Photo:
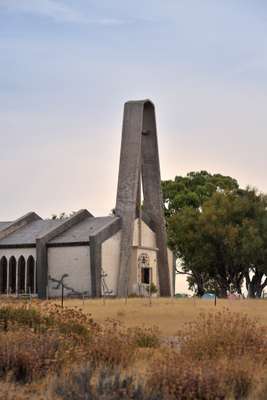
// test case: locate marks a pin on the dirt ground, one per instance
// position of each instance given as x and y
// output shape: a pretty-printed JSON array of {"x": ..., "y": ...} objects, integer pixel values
[{"x": 169, "y": 315}]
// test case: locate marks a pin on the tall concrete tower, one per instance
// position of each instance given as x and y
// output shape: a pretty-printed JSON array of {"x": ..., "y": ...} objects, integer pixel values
[{"x": 139, "y": 162}]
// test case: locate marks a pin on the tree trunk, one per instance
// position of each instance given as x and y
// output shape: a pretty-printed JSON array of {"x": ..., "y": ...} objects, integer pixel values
[
  {"x": 258, "y": 291},
  {"x": 254, "y": 285},
  {"x": 200, "y": 285},
  {"x": 251, "y": 290},
  {"x": 200, "y": 291},
  {"x": 223, "y": 288}
]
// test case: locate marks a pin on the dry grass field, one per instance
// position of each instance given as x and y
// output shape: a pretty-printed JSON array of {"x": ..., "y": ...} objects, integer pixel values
[
  {"x": 171, "y": 349},
  {"x": 168, "y": 315}
]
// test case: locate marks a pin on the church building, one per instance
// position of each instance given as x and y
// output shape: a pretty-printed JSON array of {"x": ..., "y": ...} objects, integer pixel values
[{"x": 117, "y": 255}]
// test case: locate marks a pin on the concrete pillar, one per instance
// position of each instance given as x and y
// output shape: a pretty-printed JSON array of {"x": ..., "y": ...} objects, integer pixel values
[
  {"x": 139, "y": 159},
  {"x": 26, "y": 276},
  {"x": 17, "y": 277},
  {"x": 7, "y": 278},
  {"x": 35, "y": 278}
]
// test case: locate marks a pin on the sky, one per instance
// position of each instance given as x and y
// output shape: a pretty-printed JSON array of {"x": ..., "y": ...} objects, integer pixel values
[{"x": 68, "y": 66}]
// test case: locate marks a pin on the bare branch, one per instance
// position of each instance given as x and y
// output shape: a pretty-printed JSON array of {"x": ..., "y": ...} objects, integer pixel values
[{"x": 182, "y": 272}]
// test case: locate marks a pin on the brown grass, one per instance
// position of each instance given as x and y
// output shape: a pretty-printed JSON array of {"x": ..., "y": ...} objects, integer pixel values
[
  {"x": 173, "y": 349},
  {"x": 169, "y": 315}
]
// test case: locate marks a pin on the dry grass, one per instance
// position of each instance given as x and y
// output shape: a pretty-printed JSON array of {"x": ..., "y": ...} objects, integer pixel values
[
  {"x": 115, "y": 350},
  {"x": 169, "y": 315}
]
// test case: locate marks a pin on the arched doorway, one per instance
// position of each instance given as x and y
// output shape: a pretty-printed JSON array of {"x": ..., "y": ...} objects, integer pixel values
[
  {"x": 3, "y": 275},
  {"x": 12, "y": 274},
  {"x": 30, "y": 275},
  {"x": 21, "y": 274}
]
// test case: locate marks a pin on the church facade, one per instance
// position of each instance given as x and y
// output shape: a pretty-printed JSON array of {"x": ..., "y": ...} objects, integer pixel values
[{"x": 116, "y": 255}]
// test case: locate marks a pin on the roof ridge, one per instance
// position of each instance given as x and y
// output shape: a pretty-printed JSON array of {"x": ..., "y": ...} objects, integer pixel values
[{"x": 18, "y": 224}]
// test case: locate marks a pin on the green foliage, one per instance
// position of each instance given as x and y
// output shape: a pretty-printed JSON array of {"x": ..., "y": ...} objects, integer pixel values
[
  {"x": 152, "y": 288},
  {"x": 193, "y": 189},
  {"x": 218, "y": 231},
  {"x": 63, "y": 215},
  {"x": 20, "y": 316}
]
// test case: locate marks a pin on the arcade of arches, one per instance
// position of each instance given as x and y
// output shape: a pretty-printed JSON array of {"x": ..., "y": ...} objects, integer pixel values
[{"x": 17, "y": 276}]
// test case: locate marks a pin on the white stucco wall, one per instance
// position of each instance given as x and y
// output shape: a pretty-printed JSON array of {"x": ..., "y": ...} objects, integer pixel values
[
  {"x": 111, "y": 260},
  {"x": 111, "y": 255},
  {"x": 148, "y": 237},
  {"x": 74, "y": 261}
]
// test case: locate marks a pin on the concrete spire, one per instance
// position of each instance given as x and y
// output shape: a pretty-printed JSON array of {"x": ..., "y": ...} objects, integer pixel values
[{"x": 140, "y": 158}]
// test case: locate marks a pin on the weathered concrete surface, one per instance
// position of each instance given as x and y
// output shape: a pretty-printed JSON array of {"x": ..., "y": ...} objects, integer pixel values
[
  {"x": 96, "y": 241},
  {"x": 41, "y": 249},
  {"x": 139, "y": 156},
  {"x": 19, "y": 223}
]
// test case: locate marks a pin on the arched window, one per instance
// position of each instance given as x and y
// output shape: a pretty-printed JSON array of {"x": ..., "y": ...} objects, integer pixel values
[
  {"x": 12, "y": 274},
  {"x": 3, "y": 275},
  {"x": 30, "y": 274},
  {"x": 21, "y": 274}
]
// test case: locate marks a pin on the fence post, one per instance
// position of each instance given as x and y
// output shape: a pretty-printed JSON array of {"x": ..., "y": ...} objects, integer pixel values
[{"x": 62, "y": 295}]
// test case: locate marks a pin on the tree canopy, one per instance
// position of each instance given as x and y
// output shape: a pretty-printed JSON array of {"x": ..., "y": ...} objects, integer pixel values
[{"x": 218, "y": 231}]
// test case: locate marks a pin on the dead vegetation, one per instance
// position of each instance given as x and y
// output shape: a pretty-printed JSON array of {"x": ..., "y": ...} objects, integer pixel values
[{"x": 53, "y": 353}]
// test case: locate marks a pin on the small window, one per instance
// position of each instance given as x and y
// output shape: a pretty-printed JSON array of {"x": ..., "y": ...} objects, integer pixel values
[
  {"x": 143, "y": 263},
  {"x": 145, "y": 276}
]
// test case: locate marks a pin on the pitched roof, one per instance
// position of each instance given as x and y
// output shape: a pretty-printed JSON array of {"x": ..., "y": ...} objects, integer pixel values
[
  {"x": 28, "y": 234},
  {"x": 4, "y": 225},
  {"x": 78, "y": 233},
  {"x": 81, "y": 231}
]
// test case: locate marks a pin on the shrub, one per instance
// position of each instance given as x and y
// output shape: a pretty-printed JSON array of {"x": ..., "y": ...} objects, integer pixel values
[
  {"x": 223, "y": 334},
  {"x": 27, "y": 356},
  {"x": 219, "y": 356},
  {"x": 75, "y": 386},
  {"x": 238, "y": 377},
  {"x": 112, "y": 346},
  {"x": 104, "y": 385},
  {"x": 173, "y": 378},
  {"x": 10, "y": 317},
  {"x": 145, "y": 337},
  {"x": 73, "y": 323},
  {"x": 152, "y": 288},
  {"x": 113, "y": 386}
]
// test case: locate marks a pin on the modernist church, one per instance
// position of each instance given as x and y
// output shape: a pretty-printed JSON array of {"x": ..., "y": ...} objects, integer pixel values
[{"x": 117, "y": 255}]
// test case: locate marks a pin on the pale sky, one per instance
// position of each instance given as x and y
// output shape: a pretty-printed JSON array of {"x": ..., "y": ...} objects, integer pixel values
[{"x": 67, "y": 67}]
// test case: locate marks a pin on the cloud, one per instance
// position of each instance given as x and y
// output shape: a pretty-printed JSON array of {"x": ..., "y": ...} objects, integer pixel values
[{"x": 55, "y": 10}]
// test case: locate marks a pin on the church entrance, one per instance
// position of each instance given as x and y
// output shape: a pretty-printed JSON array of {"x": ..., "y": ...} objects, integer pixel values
[{"x": 3, "y": 275}]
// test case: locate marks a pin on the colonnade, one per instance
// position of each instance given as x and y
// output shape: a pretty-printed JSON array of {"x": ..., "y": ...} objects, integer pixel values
[{"x": 17, "y": 276}]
